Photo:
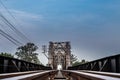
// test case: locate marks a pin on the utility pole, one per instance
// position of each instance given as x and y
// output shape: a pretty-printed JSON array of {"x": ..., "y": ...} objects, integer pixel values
[{"x": 44, "y": 49}]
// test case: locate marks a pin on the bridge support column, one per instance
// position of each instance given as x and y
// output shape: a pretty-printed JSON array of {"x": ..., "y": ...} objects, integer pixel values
[
  {"x": 2, "y": 65},
  {"x": 117, "y": 64}
]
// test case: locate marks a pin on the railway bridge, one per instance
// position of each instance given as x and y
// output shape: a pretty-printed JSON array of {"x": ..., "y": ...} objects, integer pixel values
[{"x": 107, "y": 68}]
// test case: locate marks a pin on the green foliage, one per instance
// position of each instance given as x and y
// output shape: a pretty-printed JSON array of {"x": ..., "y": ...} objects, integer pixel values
[
  {"x": 83, "y": 61},
  {"x": 7, "y": 55},
  {"x": 76, "y": 63},
  {"x": 27, "y": 53},
  {"x": 73, "y": 58}
]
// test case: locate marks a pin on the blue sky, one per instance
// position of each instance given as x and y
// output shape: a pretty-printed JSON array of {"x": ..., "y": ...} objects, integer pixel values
[{"x": 92, "y": 26}]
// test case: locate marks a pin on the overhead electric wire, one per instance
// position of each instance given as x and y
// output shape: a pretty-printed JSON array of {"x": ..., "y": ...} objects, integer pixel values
[
  {"x": 7, "y": 22},
  {"x": 10, "y": 38},
  {"x": 7, "y": 9},
  {"x": 12, "y": 27}
]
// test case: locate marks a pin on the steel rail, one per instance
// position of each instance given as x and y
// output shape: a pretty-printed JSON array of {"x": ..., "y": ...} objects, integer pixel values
[
  {"x": 84, "y": 75},
  {"x": 31, "y": 75},
  {"x": 8, "y": 75},
  {"x": 117, "y": 75},
  {"x": 70, "y": 75}
]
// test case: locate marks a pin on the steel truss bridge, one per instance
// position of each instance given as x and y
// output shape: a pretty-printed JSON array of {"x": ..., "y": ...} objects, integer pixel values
[{"x": 107, "y": 68}]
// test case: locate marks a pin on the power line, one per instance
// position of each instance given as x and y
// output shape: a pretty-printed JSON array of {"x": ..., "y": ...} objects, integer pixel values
[
  {"x": 12, "y": 27},
  {"x": 10, "y": 38},
  {"x": 8, "y": 23},
  {"x": 7, "y": 9}
]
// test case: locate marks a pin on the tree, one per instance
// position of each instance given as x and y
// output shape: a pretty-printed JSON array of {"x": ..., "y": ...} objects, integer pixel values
[
  {"x": 73, "y": 58},
  {"x": 83, "y": 61},
  {"x": 7, "y": 55},
  {"x": 76, "y": 63},
  {"x": 27, "y": 53}
]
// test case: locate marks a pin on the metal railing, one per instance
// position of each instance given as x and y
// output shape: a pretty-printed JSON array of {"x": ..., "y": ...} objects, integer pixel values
[
  {"x": 8, "y": 65},
  {"x": 107, "y": 64}
]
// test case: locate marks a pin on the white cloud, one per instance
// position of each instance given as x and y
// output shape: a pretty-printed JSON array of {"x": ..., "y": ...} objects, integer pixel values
[
  {"x": 21, "y": 14},
  {"x": 77, "y": 28},
  {"x": 24, "y": 18},
  {"x": 26, "y": 15}
]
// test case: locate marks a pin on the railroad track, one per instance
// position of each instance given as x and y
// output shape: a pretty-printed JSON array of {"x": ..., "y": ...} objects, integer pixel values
[
  {"x": 90, "y": 75},
  {"x": 68, "y": 75},
  {"x": 29, "y": 75}
]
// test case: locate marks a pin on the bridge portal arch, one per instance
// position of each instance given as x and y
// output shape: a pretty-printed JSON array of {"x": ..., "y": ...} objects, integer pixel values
[{"x": 59, "y": 54}]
